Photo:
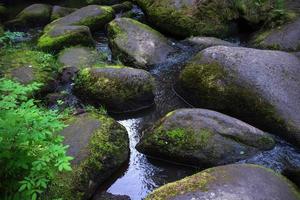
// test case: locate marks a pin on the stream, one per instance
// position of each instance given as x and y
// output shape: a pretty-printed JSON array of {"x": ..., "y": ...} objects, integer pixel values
[{"x": 141, "y": 175}]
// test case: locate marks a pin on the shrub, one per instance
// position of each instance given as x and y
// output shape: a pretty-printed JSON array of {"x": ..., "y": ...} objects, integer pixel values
[{"x": 31, "y": 151}]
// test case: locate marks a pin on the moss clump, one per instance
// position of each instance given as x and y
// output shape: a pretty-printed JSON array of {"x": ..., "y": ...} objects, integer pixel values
[
  {"x": 43, "y": 65},
  {"x": 107, "y": 150},
  {"x": 211, "y": 18},
  {"x": 56, "y": 39},
  {"x": 193, "y": 183}
]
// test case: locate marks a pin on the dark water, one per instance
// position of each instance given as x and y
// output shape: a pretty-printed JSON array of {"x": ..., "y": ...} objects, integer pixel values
[{"x": 142, "y": 174}]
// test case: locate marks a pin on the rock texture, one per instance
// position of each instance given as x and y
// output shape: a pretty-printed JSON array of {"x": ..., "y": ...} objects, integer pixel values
[
  {"x": 32, "y": 16},
  {"x": 285, "y": 37},
  {"x": 59, "y": 11},
  {"x": 260, "y": 87},
  {"x": 206, "y": 18},
  {"x": 203, "y": 138},
  {"x": 119, "y": 88},
  {"x": 137, "y": 44},
  {"x": 234, "y": 182}
]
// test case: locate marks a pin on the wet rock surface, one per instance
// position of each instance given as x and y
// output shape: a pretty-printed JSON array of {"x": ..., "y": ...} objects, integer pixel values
[
  {"x": 237, "y": 182},
  {"x": 119, "y": 88},
  {"x": 137, "y": 44},
  {"x": 203, "y": 138}
]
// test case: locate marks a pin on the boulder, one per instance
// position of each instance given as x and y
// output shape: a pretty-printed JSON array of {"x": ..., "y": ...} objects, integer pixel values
[
  {"x": 75, "y": 58},
  {"x": 205, "y": 42},
  {"x": 59, "y": 11},
  {"x": 78, "y": 57},
  {"x": 3, "y": 13},
  {"x": 93, "y": 16},
  {"x": 203, "y": 138},
  {"x": 137, "y": 44},
  {"x": 104, "y": 2},
  {"x": 234, "y": 182},
  {"x": 32, "y": 16},
  {"x": 60, "y": 37},
  {"x": 27, "y": 66},
  {"x": 260, "y": 87},
  {"x": 99, "y": 146},
  {"x": 122, "y": 7},
  {"x": 209, "y": 18},
  {"x": 285, "y": 37},
  {"x": 108, "y": 196},
  {"x": 118, "y": 88}
]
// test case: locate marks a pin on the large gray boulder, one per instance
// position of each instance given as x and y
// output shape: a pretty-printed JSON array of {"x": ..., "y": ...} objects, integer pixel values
[
  {"x": 137, "y": 44},
  {"x": 99, "y": 146},
  {"x": 203, "y": 138},
  {"x": 232, "y": 182},
  {"x": 285, "y": 37},
  {"x": 118, "y": 88},
  {"x": 260, "y": 87},
  {"x": 32, "y": 16}
]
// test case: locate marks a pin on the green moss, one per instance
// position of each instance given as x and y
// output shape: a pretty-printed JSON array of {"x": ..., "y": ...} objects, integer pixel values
[
  {"x": 109, "y": 90},
  {"x": 66, "y": 39},
  {"x": 211, "y": 18},
  {"x": 97, "y": 22},
  {"x": 105, "y": 152},
  {"x": 44, "y": 65},
  {"x": 193, "y": 183}
]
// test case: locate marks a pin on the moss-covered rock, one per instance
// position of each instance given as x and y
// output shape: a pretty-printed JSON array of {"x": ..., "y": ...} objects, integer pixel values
[
  {"x": 229, "y": 182},
  {"x": 211, "y": 18},
  {"x": 93, "y": 16},
  {"x": 78, "y": 57},
  {"x": 260, "y": 87},
  {"x": 205, "y": 42},
  {"x": 59, "y": 37},
  {"x": 32, "y": 16},
  {"x": 75, "y": 58},
  {"x": 99, "y": 146},
  {"x": 119, "y": 88},
  {"x": 122, "y": 7},
  {"x": 104, "y": 2},
  {"x": 27, "y": 66},
  {"x": 59, "y": 11},
  {"x": 285, "y": 37},
  {"x": 137, "y": 44},
  {"x": 3, "y": 13},
  {"x": 108, "y": 196},
  {"x": 203, "y": 138}
]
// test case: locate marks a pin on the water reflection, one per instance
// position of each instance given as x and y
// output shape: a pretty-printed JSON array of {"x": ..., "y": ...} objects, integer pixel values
[{"x": 142, "y": 175}]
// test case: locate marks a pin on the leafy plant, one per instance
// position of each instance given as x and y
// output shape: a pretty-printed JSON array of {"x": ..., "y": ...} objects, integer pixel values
[
  {"x": 31, "y": 151},
  {"x": 9, "y": 37}
]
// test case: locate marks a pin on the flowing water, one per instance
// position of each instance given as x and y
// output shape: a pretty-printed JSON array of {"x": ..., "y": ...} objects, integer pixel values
[{"x": 142, "y": 174}]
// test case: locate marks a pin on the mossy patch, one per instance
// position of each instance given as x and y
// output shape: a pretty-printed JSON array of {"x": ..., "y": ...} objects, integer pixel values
[
  {"x": 43, "y": 65},
  {"x": 189, "y": 184},
  {"x": 68, "y": 36},
  {"x": 210, "y": 18}
]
